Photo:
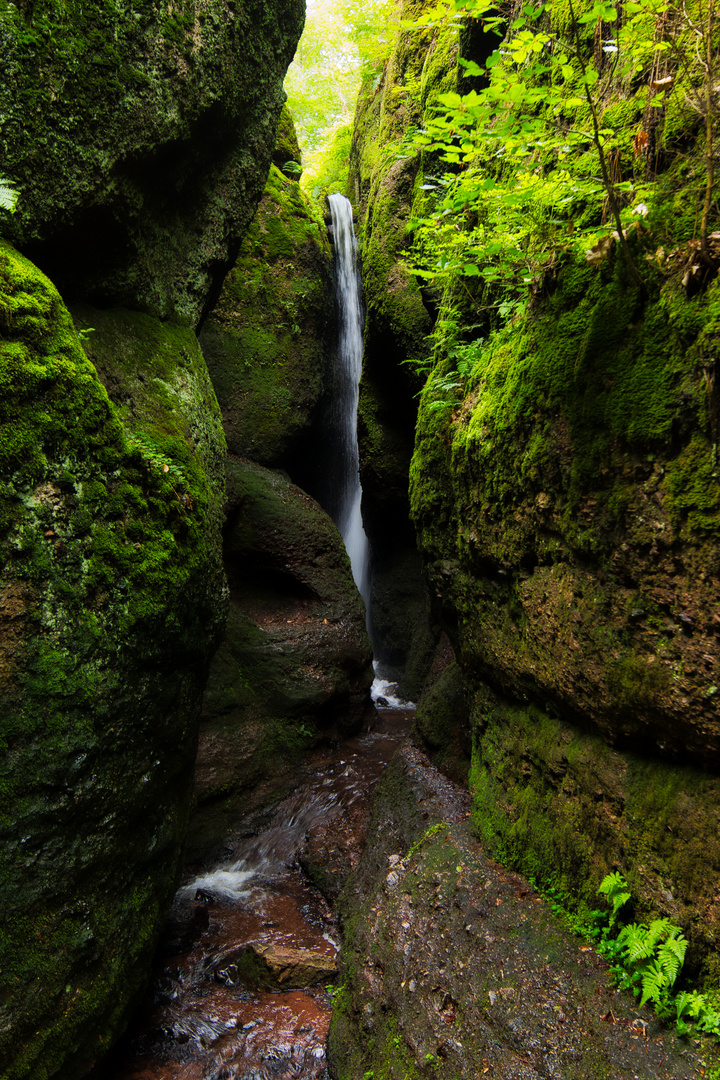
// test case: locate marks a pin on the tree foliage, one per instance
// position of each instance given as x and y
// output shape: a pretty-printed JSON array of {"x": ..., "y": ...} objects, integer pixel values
[
  {"x": 341, "y": 40},
  {"x": 556, "y": 147}
]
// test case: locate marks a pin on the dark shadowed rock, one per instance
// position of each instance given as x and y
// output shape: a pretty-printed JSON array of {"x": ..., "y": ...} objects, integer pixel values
[
  {"x": 140, "y": 139},
  {"x": 295, "y": 663},
  {"x": 112, "y": 597}
]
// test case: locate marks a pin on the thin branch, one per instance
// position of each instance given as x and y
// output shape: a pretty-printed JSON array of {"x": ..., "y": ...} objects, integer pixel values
[{"x": 607, "y": 182}]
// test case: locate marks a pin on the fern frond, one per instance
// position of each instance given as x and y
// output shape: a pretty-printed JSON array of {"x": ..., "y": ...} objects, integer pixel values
[
  {"x": 709, "y": 1019},
  {"x": 615, "y": 887},
  {"x": 637, "y": 942},
  {"x": 671, "y": 956},
  {"x": 654, "y": 983},
  {"x": 659, "y": 930},
  {"x": 689, "y": 1003},
  {"x": 8, "y": 195}
]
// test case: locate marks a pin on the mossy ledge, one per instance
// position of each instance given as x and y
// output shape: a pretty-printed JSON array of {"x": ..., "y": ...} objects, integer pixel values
[{"x": 112, "y": 598}]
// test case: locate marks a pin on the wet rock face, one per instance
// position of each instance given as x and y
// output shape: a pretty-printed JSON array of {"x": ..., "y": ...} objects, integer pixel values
[
  {"x": 452, "y": 966},
  {"x": 568, "y": 512},
  {"x": 112, "y": 598},
  {"x": 160, "y": 122},
  {"x": 295, "y": 662},
  {"x": 269, "y": 339}
]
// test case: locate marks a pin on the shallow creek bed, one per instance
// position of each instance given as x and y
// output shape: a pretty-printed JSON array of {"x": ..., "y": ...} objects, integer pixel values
[{"x": 451, "y": 966}]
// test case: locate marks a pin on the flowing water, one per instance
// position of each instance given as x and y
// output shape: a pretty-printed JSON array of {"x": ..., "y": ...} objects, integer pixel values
[
  {"x": 346, "y": 493},
  {"x": 240, "y": 987},
  {"x": 207, "y": 1016}
]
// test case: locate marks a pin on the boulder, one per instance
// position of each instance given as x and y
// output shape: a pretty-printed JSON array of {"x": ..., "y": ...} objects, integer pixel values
[
  {"x": 113, "y": 598},
  {"x": 272, "y": 967},
  {"x": 295, "y": 662},
  {"x": 140, "y": 139}
]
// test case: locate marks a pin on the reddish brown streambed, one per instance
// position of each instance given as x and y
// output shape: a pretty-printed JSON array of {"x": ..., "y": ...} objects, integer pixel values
[{"x": 239, "y": 990}]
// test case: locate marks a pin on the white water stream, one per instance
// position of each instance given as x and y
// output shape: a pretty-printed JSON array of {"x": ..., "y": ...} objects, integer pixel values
[{"x": 347, "y": 492}]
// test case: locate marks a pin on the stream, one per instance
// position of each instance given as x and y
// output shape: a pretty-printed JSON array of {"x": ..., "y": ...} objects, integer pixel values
[{"x": 239, "y": 987}]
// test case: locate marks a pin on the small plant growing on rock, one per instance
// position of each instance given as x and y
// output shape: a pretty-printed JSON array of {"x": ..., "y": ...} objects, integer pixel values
[
  {"x": 648, "y": 961},
  {"x": 8, "y": 195}
]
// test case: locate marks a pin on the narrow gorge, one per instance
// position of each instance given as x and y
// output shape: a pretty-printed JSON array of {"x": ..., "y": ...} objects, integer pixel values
[{"x": 292, "y": 439}]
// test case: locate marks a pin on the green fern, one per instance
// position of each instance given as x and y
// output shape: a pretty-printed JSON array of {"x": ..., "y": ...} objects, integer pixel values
[
  {"x": 671, "y": 954},
  {"x": 615, "y": 888},
  {"x": 698, "y": 1008},
  {"x": 8, "y": 195},
  {"x": 648, "y": 961},
  {"x": 637, "y": 942},
  {"x": 655, "y": 984}
]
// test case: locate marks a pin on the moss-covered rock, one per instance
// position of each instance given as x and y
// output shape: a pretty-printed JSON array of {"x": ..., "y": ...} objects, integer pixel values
[
  {"x": 561, "y": 805},
  {"x": 442, "y": 723},
  {"x": 268, "y": 341},
  {"x": 295, "y": 663},
  {"x": 140, "y": 139},
  {"x": 112, "y": 599},
  {"x": 287, "y": 155},
  {"x": 451, "y": 965},
  {"x": 568, "y": 509}
]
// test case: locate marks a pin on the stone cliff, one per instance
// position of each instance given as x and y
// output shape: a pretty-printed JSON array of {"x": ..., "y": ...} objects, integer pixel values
[
  {"x": 140, "y": 140},
  {"x": 566, "y": 502}
]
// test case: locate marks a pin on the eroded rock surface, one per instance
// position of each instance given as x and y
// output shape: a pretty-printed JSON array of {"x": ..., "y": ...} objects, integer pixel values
[
  {"x": 160, "y": 124},
  {"x": 453, "y": 966}
]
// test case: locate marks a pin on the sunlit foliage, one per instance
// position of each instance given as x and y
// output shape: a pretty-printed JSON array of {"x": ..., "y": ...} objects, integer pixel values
[{"x": 341, "y": 40}]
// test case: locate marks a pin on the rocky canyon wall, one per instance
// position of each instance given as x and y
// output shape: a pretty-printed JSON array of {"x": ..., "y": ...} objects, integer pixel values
[
  {"x": 566, "y": 502},
  {"x": 140, "y": 140}
]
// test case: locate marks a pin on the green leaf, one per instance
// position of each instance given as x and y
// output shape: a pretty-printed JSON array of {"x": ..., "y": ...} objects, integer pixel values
[{"x": 9, "y": 195}]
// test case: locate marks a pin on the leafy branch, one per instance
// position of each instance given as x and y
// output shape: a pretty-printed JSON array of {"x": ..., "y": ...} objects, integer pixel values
[{"x": 517, "y": 178}]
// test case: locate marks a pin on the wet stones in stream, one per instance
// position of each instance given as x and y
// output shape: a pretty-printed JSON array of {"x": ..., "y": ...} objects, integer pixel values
[{"x": 251, "y": 944}]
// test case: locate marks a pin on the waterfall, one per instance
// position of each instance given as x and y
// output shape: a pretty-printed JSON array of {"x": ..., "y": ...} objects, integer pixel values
[{"x": 346, "y": 492}]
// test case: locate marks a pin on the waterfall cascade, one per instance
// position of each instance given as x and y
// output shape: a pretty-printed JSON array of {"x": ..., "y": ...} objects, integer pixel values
[{"x": 346, "y": 492}]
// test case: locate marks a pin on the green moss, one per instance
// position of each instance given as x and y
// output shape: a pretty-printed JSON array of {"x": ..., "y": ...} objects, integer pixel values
[
  {"x": 112, "y": 600},
  {"x": 267, "y": 342},
  {"x": 287, "y": 147},
  {"x": 162, "y": 124},
  {"x": 559, "y": 805}
]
